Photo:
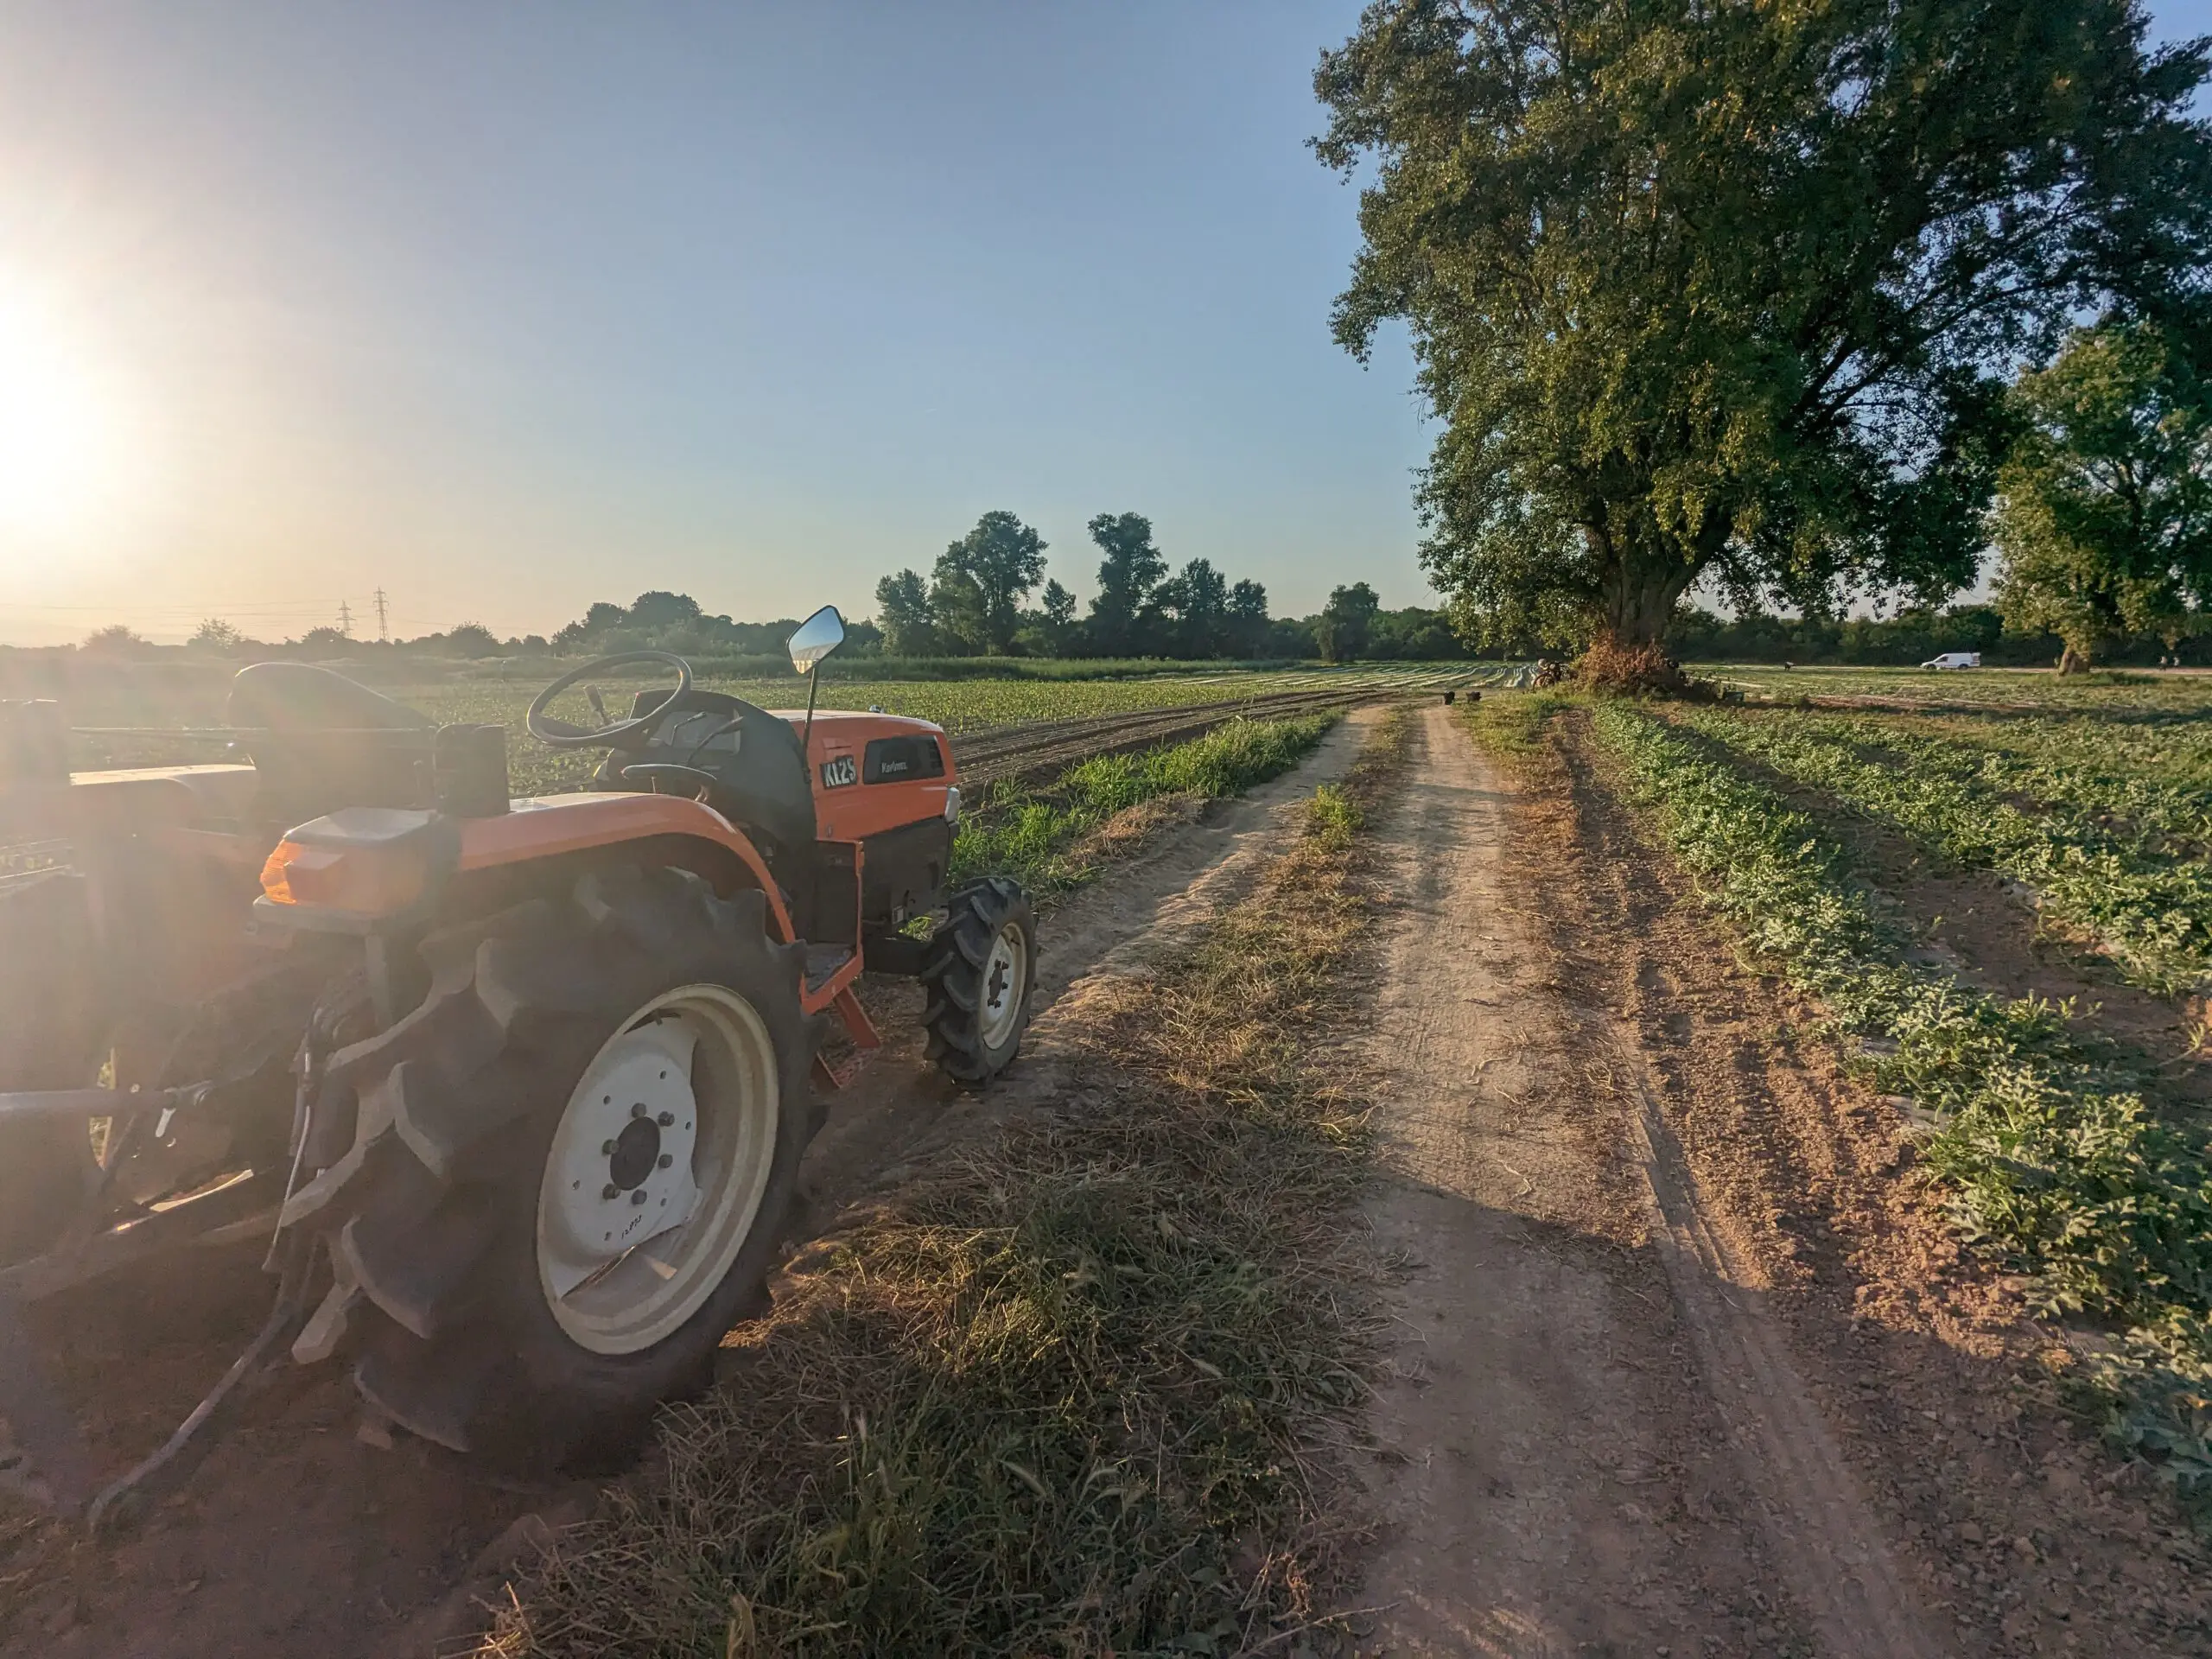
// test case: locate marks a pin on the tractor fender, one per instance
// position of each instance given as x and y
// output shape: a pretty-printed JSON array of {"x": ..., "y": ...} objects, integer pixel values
[{"x": 564, "y": 826}]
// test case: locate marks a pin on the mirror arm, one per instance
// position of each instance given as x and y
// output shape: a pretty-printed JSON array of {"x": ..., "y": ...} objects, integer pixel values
[{"x": 806, "y": 737}]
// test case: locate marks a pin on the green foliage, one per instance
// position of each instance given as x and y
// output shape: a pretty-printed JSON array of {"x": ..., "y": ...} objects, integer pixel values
[
  {"x": 2152, "y": 909},
  {"x": 1129, "y": 569},
  {"x": 981, "y": 580},
  {"x": 664, "y": 622},
  {"x": 1027, "y": 833},
  {"x": 214, "y": 633},
  {"x": 2054, "y": 1161},
  {"x": 1346, "y": 621},
  {"x": 2104, "y": 513},
  {"x": 1194, "y": 608},
  {"x": 116, "y": 640},
  {"x": 902, "y": 610},
  {"x": 1697, "y": 287},
  {"x": 1332, "y": 817}
]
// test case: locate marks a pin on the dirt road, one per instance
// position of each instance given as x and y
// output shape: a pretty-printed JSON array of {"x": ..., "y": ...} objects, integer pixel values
[
  {"x": 294, "y": 1536},
  {"x": 1686, "y": 1364}
]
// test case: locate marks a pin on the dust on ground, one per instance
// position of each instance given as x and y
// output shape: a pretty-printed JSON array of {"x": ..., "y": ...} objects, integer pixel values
[
  {"x": 295, "y": 1535},
  {"x": 1690, "y": 1362}
]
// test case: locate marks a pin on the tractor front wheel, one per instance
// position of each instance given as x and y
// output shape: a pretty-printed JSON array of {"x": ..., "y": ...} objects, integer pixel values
[
  {"x": 571, "y": 1166},
  {"x": 979, "y": 973}
]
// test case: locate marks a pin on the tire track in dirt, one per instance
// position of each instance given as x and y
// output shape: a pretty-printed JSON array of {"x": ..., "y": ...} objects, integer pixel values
[{"x": 1594, "y": 1439}]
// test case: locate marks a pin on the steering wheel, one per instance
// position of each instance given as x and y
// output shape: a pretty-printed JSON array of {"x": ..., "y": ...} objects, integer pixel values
[{"x": 560, "y": 735}]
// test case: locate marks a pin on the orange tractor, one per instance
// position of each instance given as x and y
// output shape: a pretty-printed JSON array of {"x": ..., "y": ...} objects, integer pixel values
[{"x": 517, "y": 1089}]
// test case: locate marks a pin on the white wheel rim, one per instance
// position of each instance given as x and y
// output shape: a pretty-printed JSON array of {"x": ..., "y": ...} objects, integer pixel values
[
  {"x": 1006, "y": 978},
  {"x": 657, "y": 1170}
]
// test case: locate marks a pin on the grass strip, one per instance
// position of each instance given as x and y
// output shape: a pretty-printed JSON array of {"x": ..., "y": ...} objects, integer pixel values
[
  {"x": 1509, "y": 726},
  {"x": 1063, "y": 1394},
  {"x": 2052, "y": 1160},
  {"x": 1032, "y": 834},
  {"x": 2152, "y": 914}
]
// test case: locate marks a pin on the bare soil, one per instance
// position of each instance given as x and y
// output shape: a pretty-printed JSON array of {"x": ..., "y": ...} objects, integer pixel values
[
  {"x": 1690, "y": 1362},
  {"x": 295, "y": 1535}
]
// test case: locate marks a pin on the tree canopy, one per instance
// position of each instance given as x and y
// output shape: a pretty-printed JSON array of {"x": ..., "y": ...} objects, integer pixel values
[
  {"x": 2104, "y": 510},
  {"x": 1728, "y": 287},
  {"x": 981, "y": 580},
  {"x": 1130, "y": 570}
]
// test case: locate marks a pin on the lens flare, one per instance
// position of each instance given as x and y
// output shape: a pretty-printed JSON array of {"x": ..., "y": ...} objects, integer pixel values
[{"x": 59, "y": 444}]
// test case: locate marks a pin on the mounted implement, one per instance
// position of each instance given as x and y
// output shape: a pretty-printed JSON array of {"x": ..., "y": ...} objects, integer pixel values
[{"x": 517, "y": 1089}]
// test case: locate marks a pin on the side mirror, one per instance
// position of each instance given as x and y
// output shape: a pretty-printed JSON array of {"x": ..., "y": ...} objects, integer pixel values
[{"x": 817, "y": 635}]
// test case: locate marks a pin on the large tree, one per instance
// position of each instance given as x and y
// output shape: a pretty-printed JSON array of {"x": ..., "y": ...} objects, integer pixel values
[
  {"x": 979, "y": 584},
  {"x": 1341, "y": 633},
  {"x": 1195, "y": 604},
  {"x": 1699, "y": 286},
  {"x": 2104, "y": 510},
  {"x": 1128, "y": 574},
  {"x": 902, "y": 610},
  {"x": 1248, "y": 617}
]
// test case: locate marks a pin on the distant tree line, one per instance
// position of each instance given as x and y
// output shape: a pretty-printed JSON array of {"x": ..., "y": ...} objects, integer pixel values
[{"x": 977, "y": 601}]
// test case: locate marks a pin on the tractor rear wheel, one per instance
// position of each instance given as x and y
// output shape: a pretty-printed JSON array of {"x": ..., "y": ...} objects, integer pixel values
[
  {"x": 571, "y": 1166},
  {"x": 978, "y": 973}
]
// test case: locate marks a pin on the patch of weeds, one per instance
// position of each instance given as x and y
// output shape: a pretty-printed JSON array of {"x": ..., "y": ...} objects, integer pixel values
[
  {"x": 1069, "y": 1393},
  {"x": 2054, "y": 1164},
  {"x": 1030, "y": 833},
  {"x": 1510, "y": 727}
]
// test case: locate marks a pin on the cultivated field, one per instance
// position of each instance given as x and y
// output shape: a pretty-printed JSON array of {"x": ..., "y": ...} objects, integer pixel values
[
  {"x": 1553, "y": 1174},
  {"x": 121, "y": 732},
  {"x": 1998, "y": 888}
]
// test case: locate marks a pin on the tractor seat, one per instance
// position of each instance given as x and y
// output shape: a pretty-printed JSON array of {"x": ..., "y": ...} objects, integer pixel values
[
  {"x": 300, "y": 697},
  {"x": 321, "y": 742}
]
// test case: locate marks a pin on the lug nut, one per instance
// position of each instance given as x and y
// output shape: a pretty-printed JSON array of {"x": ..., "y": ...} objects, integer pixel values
[
  {"x": 637, "y": 1197},
  {"x": 606, "y": 1148},
  {"x": 666, "y": 1158},
  {"x": 637, "y": 1111},
  {"x": 610, "y": 1191},
  {"x": 665, "y": 1119}
]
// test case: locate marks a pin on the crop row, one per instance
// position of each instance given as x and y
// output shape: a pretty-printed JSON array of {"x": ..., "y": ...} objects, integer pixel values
[
  {"x": 2152, "y": 912},
  {"x": 1995, "y": 689},
  {"x": 2156, "y": 777},
  {"x": 1029, "y": 833},
  {"x": 2052, "y": 1159}
]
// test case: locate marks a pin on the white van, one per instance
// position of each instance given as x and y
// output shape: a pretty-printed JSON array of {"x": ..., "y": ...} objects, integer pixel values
[{"x": 1955, "y": 659}]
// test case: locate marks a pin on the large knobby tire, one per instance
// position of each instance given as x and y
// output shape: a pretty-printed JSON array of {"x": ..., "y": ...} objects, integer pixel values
[
  {"x": 462, "y": 1209},
  {"x": 978, "y": 973}
]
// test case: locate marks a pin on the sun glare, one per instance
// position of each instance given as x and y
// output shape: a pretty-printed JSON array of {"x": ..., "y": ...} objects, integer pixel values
[{"x": 58, "y": 442}]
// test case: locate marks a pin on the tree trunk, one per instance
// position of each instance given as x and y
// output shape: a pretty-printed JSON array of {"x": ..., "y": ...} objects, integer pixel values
[
  {"x": 2071, "y": 661},
  {"x": 1629, "y": 653}
]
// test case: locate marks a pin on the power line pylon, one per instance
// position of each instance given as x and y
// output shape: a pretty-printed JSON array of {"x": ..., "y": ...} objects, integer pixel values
[
  {"x": 384, "y": 630},
  {"x": 345, "y": 618}
]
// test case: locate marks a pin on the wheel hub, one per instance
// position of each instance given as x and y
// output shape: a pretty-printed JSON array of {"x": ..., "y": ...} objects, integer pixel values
[
  {"x": 1005, "y": 974},
  {"x": 657, "y": 1169},
  {"x": 620, "y": 1169},
  {"x": 636, "y": 1153}
]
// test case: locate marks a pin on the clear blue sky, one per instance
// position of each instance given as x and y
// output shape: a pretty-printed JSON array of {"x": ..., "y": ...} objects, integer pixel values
[
  {"x": 507, "y": 307},
  {"x": 510, "y": 306}
]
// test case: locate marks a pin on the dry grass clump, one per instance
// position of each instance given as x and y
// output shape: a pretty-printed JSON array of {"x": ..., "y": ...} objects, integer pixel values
[
  {"x": 1609, "y": 665},
  {"x": 1069, "y": 1394}
]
